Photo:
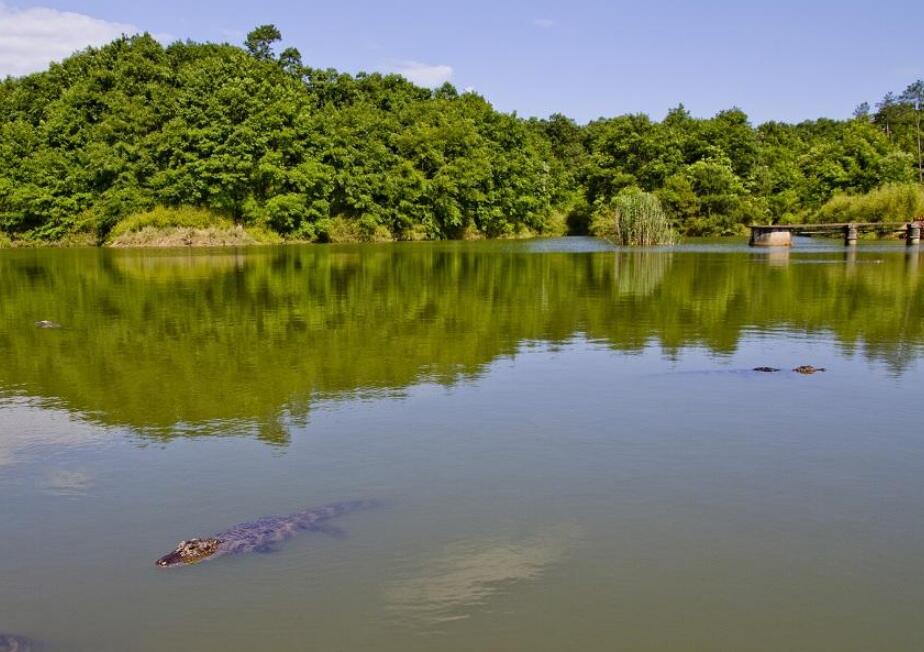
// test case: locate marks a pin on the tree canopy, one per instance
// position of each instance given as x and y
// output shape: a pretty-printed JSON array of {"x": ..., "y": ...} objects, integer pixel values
[{"x": 314, "y": 154}]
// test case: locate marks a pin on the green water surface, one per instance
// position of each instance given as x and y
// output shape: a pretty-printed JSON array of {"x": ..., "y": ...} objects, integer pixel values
[{"x": 568, "y": 444}]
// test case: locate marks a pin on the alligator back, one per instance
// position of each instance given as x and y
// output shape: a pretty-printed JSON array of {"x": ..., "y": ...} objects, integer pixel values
[{"x": 264, "y": 533}]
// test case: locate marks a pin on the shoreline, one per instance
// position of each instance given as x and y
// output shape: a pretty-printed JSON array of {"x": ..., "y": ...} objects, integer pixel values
[
  {"x": 210, "y": 241},
  {"x": 218, "y": 237}
]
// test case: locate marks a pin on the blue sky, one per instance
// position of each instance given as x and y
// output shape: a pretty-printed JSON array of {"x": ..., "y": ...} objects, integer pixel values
[{"x": 780, "y": 60}]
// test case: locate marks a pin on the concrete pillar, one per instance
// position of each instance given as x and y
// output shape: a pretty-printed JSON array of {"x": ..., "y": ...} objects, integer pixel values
[
  {"x": 851, "y": 235},
  {"x": 914, "y": 234},
  {"x": 771, "y": 238}
]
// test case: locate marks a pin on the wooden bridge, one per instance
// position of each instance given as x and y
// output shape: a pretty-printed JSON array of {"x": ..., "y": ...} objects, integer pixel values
[{"x": 780, "y": 235}]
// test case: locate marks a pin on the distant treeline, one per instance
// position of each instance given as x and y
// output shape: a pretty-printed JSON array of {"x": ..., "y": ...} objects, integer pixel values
[{"x": 309, "y": 154}]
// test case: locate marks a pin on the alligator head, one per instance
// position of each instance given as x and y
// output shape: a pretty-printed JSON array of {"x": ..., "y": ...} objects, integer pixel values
[
  {"x": 808, "y": 370},
  {"x": 190, "y": 552}
]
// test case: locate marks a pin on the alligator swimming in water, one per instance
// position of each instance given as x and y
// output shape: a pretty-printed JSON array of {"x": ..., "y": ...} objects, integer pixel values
[
  {"x": 805, "y": 370},
  {"x": 261, "y": 535},
  {"x": 11, "y": 643}
]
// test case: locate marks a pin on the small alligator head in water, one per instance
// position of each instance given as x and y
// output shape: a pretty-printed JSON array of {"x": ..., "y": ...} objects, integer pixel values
[
  {"x": 191, "y": 551},
  {"x": 808, "y": 370}
]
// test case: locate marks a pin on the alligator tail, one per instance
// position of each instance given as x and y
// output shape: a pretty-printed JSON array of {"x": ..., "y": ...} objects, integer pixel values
[{"x": 335, "y": 510}]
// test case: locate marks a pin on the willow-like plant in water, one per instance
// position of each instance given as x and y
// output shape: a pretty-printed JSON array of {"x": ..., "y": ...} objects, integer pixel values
[{"x": 633, "y": 218}]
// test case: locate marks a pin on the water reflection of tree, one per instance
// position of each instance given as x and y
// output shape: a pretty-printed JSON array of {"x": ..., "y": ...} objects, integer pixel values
[
  {"x": 640, "y": 272},
  {"x": 255, "y": 338}
]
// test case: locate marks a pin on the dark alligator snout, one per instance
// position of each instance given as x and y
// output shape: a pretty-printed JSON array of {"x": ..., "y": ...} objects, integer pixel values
[{"x": 173, "y": 559}]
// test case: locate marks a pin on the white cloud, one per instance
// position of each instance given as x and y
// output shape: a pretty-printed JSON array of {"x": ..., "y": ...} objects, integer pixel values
[
  {"x": 544, "y": 23},
  {"x": 32, "y": 38},
  {"x": 423, "y": 74}
]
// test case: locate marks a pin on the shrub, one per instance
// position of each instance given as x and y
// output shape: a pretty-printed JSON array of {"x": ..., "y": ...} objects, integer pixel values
[
  {"x": 286, "y": 213},
  {"x": 342, "y": 229},
  {"x": 892, "y": 202},
  {"x": 632, "y": 217},
  {"x": 164, "y": 226},
  {"x": 164, "y": 218}
]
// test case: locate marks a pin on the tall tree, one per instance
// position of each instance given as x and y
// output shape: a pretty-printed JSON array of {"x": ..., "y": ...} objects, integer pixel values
[
  {"x": 914, "y": 95},
  {"x": 260, "y": 41}
]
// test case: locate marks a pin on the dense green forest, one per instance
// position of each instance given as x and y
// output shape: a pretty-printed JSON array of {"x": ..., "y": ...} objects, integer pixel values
[{"x": 256, "y": 139}]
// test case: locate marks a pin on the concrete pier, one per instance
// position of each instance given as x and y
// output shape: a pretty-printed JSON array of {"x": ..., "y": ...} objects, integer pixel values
[
  {"x": 914, "y": 234},
  {"x": 771, "y": 237},
  {"x": 851, "y": 235}
]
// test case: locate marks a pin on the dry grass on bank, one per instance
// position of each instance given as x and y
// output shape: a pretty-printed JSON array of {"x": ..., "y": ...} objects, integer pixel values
[{"x": 184, "y": 227}]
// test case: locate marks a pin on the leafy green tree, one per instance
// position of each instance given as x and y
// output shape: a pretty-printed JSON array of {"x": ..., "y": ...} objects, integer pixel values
[
  {"x": 914, "y": 97},
  {"x": 291, "y": 61},
  {"x": 260, "y": 41}
]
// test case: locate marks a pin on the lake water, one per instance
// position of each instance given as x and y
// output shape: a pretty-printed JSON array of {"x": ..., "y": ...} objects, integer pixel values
[{"x": 570, "y": 453}]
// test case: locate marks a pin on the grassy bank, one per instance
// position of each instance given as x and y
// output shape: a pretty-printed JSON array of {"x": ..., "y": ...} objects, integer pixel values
[
  {"x": 71, "y": 240},
  {"x": 186, "y": 237},
  {"x": 187, "y": 226},
  {"x": 184, "y": 227}
]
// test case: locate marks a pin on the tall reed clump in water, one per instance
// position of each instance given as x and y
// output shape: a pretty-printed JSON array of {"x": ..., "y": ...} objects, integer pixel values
[{"x": 633, "y": 217}]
